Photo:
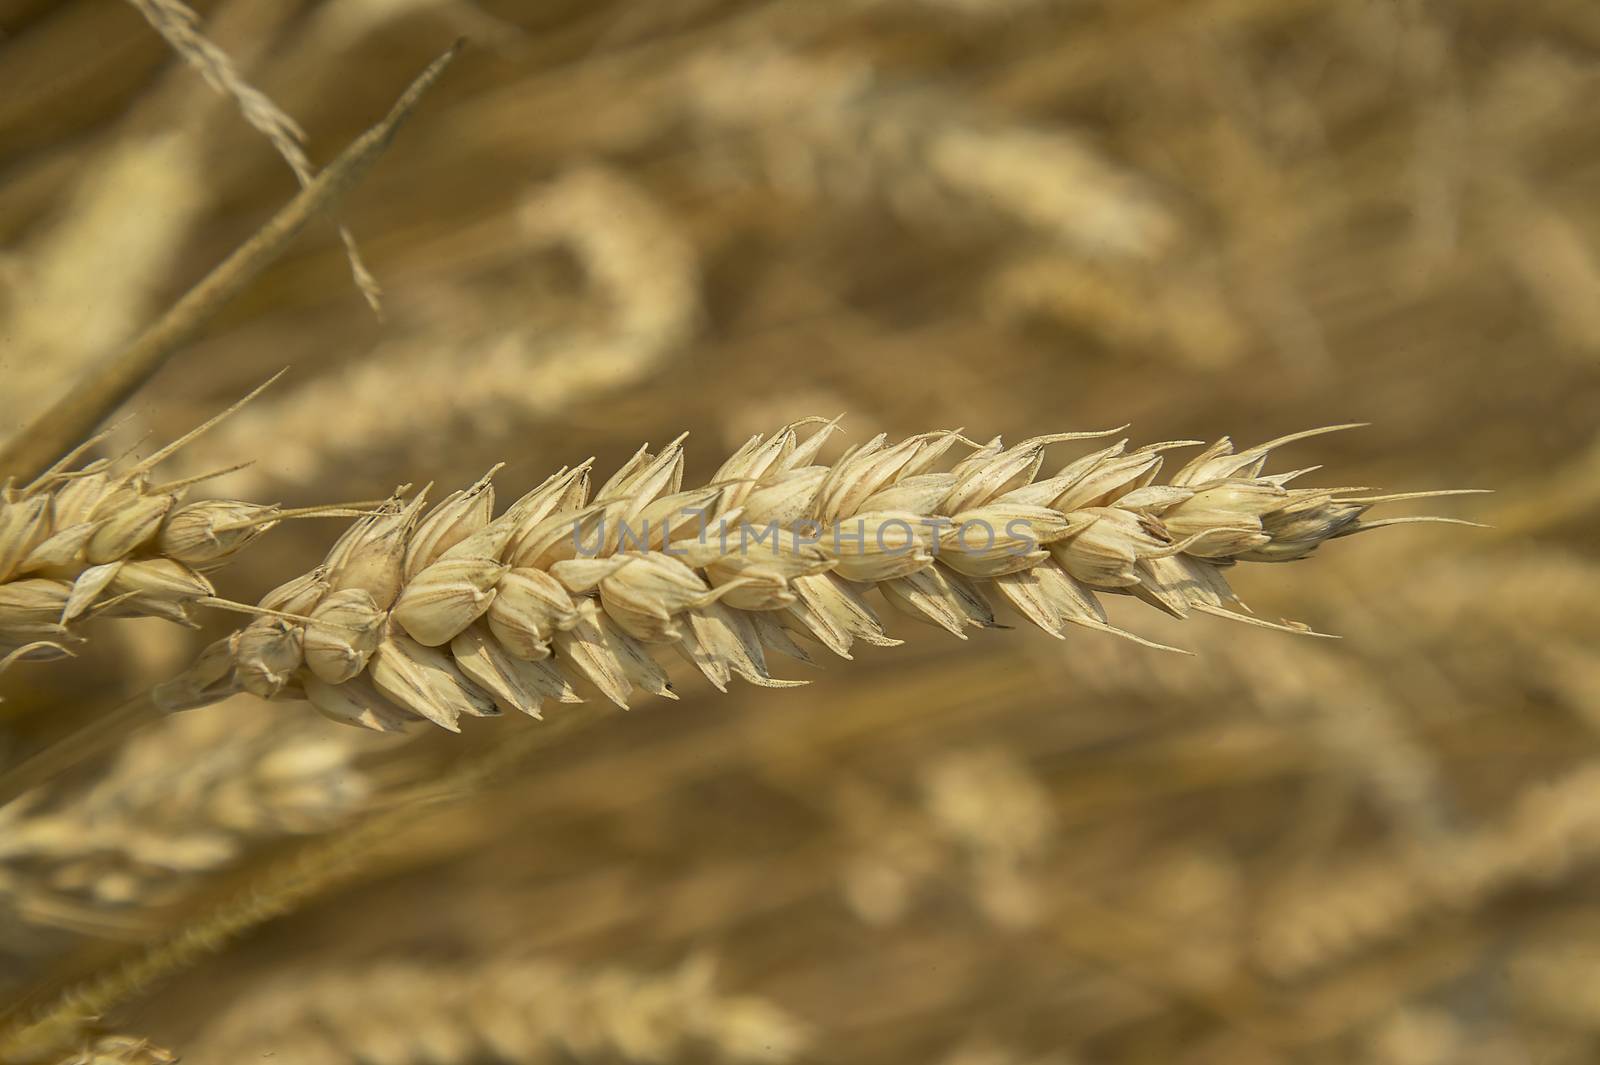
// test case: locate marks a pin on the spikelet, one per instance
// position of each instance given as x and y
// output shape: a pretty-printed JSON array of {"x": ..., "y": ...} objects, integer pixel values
[
  {"x": 461, "y": 613},
  {"x": 106, "y": 539},
  {"x": 343, "y": 633}
]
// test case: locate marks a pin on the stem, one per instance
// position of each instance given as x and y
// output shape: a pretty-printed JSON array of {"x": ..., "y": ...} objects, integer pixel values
[{"x": 75, "y": 415}]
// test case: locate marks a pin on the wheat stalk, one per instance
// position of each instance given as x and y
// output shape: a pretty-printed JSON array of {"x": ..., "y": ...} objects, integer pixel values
[
  {"x": 29, "y": 1034},
  {"x": 33, "y": 450},
  {"x": 179, "y": 26},
  {"x": 458, "y": 613},
  {"x": 66, "y": 317},
  {"x": 636, "y": 257}
]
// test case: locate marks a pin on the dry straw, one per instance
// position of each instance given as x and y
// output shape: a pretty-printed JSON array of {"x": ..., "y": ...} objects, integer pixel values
[
  {"x": 452, "y": 612},
  {"x": 179, "y": 26},
  {"x": 156, "y": 156},
  {"x": 37, "y": 448}
]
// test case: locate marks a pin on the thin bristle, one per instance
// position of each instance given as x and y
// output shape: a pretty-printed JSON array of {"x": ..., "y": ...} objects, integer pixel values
[
  {"x": 201, "y": 478},
  {"x": 60, "y": 465},
  {"x": 193, "y": 434}
]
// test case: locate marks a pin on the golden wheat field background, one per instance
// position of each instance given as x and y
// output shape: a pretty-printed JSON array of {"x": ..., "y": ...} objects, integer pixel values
[{"x": 612, "y": 222}]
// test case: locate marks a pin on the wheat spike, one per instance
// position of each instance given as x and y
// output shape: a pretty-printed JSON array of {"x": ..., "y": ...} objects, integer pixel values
[
  {"x": 837, "y": 128},
  {"x": 1179, "y": 312},
  {"x": 1550, "y": 830},
  {"x": 457, "y": 613},
  {"x": 411, "y": 1013},
  {"x": 106, "y": 538},
  {"x": 182, "y": 799}
]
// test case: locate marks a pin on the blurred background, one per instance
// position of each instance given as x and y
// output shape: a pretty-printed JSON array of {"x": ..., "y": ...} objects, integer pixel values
[{"x": 612, "y": 222}]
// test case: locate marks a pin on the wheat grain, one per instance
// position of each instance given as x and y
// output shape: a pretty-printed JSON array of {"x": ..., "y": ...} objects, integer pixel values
[
  {"x": 413, "y": 1013},
  {"x": 462, "y": 614}
]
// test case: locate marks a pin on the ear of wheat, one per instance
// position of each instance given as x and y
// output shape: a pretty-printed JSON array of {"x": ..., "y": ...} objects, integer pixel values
[
  {"x": 503, "y": 1009},
  {"x": 145, "y": 831},
  {"x": 105, "y": 539},
  {"x": 455, "y": 612}
]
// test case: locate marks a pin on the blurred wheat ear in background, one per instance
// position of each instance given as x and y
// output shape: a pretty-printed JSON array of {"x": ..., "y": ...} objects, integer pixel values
[{"x": 617, "y": 222}]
